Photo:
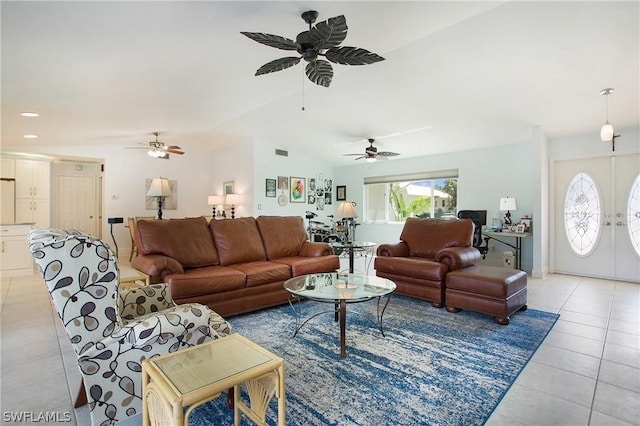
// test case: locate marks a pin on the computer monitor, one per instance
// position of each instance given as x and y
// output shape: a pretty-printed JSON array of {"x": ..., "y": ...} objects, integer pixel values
[{"x": 480, "y": 215}]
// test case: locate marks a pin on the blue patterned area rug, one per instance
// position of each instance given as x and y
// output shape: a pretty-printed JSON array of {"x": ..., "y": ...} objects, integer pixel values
[{"x": 432, "y": 368}]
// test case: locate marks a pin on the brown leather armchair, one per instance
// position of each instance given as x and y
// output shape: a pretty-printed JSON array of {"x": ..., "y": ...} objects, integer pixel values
[{"x": 427, "y": 251}]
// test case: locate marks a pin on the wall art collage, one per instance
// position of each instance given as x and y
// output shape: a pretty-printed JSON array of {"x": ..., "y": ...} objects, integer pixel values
[{"x": 314, "y": 191}]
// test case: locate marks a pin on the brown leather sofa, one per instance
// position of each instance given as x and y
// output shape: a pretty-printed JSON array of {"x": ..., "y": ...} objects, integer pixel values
[
  {"x": 427, "y": 251},
  {"x": 233, "y": 266}
]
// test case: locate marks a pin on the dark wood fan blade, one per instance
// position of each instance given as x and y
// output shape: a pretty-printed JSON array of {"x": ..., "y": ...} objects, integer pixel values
[
  {"x": 329, "y": 33},
  {"x": 172, "y": 147},
  {"x": 278, "y": 65},
  {"x": 175, "y": 151},
  {"x": 387, "y": 154},
  {"x": 272, "y": 40},
  {"x": 320, "y": 72},
  {"x": 352, "y": 56},
  {"x": 362, "y": 156}
]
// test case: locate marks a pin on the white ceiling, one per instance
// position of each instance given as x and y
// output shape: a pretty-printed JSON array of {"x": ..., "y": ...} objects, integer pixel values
[{"x": 467, "y": 74}]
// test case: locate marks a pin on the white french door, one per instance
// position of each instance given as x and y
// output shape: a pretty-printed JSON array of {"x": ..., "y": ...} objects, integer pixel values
[
  {"x": 77, "y": 203},
  {"x": 596, "y": 218}
]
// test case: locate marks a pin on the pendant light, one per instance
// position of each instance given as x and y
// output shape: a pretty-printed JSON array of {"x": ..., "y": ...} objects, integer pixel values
[{"x": 607, "y": 134}]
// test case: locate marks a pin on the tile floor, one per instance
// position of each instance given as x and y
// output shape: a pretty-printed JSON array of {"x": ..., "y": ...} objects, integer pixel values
[{"x": 587, "y": 371}]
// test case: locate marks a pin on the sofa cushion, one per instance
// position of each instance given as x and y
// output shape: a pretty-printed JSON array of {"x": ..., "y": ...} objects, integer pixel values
[
  {"x": 310, "y": 265},
  {"x": 237, "y": 240},
  {"x": 282, "y": 235},
  {"x": 206, "y": 280},
  {"x": 259, "y": 273},
  {"x": 411, "y": 267},
  {"x": 186, "y": 240},
  {"x": 426, "y": 236}
]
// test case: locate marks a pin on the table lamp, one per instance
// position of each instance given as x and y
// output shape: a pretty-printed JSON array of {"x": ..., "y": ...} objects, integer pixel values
[
  {"x": 347, "y": 210},
  {"x": 159, "y": 188},
  {"x": 233, "y": 200},
  {"x": 213, "y": 201},
  {"x": 507, "y": 204}
]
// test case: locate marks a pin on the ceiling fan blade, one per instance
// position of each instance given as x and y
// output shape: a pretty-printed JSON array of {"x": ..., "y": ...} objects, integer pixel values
[
  {"x": 278, "y": 65},
  {"x": 387, "y": 154},
  {"x": 329, "y": 33},
  {"x": 362, "y": 156},
  {"x": 320, "y": 72},
  {"x": 272, "y": 40},
  {"x": 352, "y": 56},
  {"x": 347, "y": 155},
  {"x": 172, "y": 147},
  {"x": 175, "y": 151}
]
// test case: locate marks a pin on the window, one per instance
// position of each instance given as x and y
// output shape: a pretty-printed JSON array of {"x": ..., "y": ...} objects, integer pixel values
[{"x": 395, "y": 198}]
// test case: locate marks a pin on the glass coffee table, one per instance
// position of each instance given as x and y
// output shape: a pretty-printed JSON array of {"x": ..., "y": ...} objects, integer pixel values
[
  {"x": 339, "y": 290},
  {"x": 365, "y": 247}
]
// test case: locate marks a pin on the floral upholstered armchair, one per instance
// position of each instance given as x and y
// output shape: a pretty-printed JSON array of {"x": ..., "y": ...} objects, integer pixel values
[{"x": 112, "y": 329}]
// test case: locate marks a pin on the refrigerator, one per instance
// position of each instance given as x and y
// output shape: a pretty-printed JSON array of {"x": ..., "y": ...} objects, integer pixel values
[{"x": 7, "y": 201}]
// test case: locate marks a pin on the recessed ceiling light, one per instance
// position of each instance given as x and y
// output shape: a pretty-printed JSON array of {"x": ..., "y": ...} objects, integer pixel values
[
  {"x": 30, "y": 136},
  {"x": 29, "y": 114}
]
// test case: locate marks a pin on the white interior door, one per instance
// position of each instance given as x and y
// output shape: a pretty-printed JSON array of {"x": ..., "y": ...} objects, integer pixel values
[
  {"x": 591, "y": 201},
  {"x": 626, "y": 217},
  {"x": 76, "y": 203}
]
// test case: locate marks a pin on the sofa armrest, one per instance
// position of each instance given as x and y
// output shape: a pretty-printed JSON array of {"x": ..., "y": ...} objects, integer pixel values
[
  {"x": 400, "y": 249},
  {"x": 157, "y": 266},
  {"x": 458, "y": 257},
  {"x": 315, "y": 249}
]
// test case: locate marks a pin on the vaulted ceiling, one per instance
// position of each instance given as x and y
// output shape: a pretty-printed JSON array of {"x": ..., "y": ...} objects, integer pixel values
[{"x": 457, "y": 75}]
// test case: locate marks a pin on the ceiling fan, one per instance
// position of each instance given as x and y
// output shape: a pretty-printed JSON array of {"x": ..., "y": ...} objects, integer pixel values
[
  {"x": 159, "y": 149},
  {"x": 321, "y": 40},
  {"x": 371, "y": 153}
]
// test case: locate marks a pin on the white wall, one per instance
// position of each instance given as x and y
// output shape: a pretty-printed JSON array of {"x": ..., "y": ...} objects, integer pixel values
[{"x": 269, "y": 165}]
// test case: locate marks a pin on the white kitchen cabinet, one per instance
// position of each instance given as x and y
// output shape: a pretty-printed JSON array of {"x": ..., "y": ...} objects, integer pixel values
[
  {"x": 15, "y": 259},
  {"x": 35, "y": 211},
  {"x": 33, "y": 189},
  {"x": 33, "y": 179},
  {"x": 7, "y": 168}
]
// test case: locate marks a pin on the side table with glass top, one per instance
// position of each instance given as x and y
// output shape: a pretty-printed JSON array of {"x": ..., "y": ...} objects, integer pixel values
[
  {"x": 339, "y": 290},
  {"x": 196, "y": 375},
  {"x": 355, "y": 246}
]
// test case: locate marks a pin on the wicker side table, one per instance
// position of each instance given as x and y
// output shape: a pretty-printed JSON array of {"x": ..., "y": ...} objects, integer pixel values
[{"x": 194, "y": 376}]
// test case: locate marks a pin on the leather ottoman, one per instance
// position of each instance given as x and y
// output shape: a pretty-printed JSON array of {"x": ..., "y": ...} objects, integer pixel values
[{"x": 487, "y": 289}]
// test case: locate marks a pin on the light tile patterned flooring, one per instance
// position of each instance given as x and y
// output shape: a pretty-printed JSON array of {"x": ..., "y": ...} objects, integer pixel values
[{"x": 587, "y": 371}]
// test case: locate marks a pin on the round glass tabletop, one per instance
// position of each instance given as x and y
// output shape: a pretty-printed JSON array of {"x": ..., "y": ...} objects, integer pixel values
[{"x": 332, "y": 286}]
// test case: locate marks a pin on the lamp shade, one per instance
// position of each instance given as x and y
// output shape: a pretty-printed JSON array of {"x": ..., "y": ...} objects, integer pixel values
[
  {"x": 159, "y": 188},
  {"x": 346, "y": 210},
  {"x": 606, "y": 133},
  {"x": 233, "y": 199},
  {"x": 507, "y": 204},
  {"x": 215, "y": 200}
]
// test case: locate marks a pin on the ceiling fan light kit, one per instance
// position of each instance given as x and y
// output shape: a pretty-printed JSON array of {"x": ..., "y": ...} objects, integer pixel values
[
  {"x": 159, "y": 149},
  {"x": 323, "y": 40}
]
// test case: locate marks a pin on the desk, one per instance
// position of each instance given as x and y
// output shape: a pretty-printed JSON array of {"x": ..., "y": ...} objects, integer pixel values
[{"x": 517, "y": 246}]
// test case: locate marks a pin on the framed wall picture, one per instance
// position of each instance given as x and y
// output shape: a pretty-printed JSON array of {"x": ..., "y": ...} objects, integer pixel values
[
  {"x": 283, "y": 182},
  {"x": 227, "y": 187},
  {"x": 341, "y": 193},
  {"x": 270, "y": 188},
  {"x": 297, "y": 189},
  {"x": 520, "y": 229}
]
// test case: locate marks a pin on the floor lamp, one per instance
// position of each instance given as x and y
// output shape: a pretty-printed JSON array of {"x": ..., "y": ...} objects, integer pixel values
[{"x": 159, "y": 188}]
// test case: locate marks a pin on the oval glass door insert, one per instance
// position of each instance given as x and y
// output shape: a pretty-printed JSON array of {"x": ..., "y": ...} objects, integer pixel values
[
  {"x": 633, "y": 215},
  {"x": 582, "y": 214}
]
